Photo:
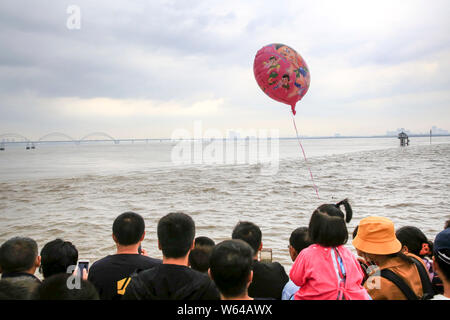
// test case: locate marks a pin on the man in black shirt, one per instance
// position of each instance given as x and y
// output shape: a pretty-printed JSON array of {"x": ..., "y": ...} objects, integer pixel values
[
  {"x": 110, "y": 275},
  {"x": 173, "y": 279},
  {"x": 269, "y": 279}
]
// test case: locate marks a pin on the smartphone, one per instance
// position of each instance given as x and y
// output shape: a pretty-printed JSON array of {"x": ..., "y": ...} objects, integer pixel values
[
  {"x": 265, "y": 255},
  {"x": 83, "y": 264}
]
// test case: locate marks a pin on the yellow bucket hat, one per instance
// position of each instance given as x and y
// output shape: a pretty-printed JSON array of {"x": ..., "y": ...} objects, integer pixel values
[{"x": 376, "y": 235}]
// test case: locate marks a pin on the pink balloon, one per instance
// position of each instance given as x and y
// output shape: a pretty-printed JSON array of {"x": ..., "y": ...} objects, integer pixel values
[{"x": 281, "y": 73}]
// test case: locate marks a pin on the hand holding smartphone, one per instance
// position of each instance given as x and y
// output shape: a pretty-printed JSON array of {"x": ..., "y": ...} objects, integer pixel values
[{"x": 83, "y": 264}]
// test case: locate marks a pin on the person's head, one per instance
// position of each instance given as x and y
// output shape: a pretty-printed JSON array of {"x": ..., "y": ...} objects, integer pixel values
[
  {"x": 250, "y": 233},
  {"x": 334, "y": 210},
  {"x": 176, "y": 232},
  {"x": 56, "y": 288},
  {"x": 19, "y": 254},
  {"x": 199, "y": 256},
  {"x": 204, "y": 241},
  {"x": 128, "y": 229},
  {"x": 327, "y": 225},
  {"x": 447, "y": 224},
  {"x": 441, "y": 256},
  {"x": 57, "y": 256},
  {"x": 376, "y": 240},
  {"x": 413, "y": 240},
  {"x": 298, "y": 241},
  {"x": 231, "y": 267},
  {"x": 20, "y": 288},
  {"x": 272, "y": 60}
]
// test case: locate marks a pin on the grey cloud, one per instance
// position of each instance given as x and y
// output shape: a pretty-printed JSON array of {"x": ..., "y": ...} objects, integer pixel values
[{"x": 55, "y": 61}]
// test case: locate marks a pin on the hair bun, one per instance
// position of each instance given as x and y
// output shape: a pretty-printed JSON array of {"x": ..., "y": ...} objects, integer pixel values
[{"x": 348, "y": 209}]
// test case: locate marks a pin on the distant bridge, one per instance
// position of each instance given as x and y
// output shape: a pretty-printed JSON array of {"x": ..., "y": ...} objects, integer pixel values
[
  {"x": 55, "y": 134},
  {"x": 98, "y": 134},
  {"x": 14, "y": 136},
  {"x": 56, "y": 137}
]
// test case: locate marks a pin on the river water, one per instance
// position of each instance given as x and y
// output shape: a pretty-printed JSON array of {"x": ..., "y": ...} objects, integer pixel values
[{"x": 74, "y": 192}]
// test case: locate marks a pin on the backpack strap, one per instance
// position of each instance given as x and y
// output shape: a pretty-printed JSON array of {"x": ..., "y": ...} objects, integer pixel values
[
  {"x": 427, "y": 287},
  {"x": 400, "y": 283}
]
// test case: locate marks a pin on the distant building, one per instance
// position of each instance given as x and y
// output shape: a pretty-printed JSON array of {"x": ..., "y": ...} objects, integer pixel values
[
  {"x": 404, "y": 139},
  {"x": 396, "y": 132},
  {"x": 233, "y": 135},
  {"x": 436, "y": 130}
]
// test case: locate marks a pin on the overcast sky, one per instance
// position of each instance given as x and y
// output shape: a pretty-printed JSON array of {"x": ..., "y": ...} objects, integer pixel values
[{"x": 145, "y": 68}]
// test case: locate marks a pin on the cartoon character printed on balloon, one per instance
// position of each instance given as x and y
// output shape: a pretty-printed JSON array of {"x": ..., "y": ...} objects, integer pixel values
[
  {"x": 272, "y": 69},
  {"x": 283, "y": 83},
  {"x": 297, "y": 66}
]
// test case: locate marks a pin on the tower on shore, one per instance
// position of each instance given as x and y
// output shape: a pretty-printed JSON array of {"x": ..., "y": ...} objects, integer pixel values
[{"x": 404, "y": 139}]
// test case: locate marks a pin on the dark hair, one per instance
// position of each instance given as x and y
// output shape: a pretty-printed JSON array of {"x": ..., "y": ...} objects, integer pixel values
[
  {"x": 176, "y": 232},
  {"x": 199, "y": 256},
  {"x": 17, "y": 288},
  {"x": 128, "y": 228},
  {"x": 327, "y": 226},
  {"x": 335, "y": 210},
  {"x": 442, "y": 258},
  {"x": 204, "y": 241},
  {"x": 230, "y": 266},
  {"x": 413, "y": 238},
  {"x": 56, "y": 288},
  {"x": 299, "y": 239},
  {"x": 57, "y": 256},
  {"x": 248, "y": 232},
  {"x": 447, "y": 224},
  {"x": 18, "y": 254}
]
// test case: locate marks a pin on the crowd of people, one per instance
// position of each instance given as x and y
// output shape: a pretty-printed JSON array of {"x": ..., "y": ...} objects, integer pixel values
[{"x": 390, "y": 264}]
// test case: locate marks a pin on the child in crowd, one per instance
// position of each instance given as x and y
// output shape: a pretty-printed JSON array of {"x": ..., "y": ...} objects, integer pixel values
[
  {"x": 327, "y": 270},
  {"x": 199, "y": 256},
  {"x": 298, "y": 241}
]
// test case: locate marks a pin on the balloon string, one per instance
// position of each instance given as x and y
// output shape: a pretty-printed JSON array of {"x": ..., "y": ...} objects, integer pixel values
[{"x": 304, "y": 156}]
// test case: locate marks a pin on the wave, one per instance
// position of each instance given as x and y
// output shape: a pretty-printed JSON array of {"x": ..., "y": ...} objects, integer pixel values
[{"x": 402, "y": 205}]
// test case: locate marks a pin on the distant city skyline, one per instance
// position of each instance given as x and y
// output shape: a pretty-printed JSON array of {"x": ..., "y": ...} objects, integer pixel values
[
  {"x": 231, "y": 134},
  {"x": 434, "y": 130}
]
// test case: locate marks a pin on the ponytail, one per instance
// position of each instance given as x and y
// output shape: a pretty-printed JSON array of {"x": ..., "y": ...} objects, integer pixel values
[{"x": 348, "y": 209}]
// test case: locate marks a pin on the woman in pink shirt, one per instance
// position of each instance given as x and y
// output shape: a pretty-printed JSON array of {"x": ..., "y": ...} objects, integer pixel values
[{"x": 327, "y": 270}]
